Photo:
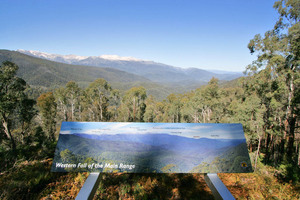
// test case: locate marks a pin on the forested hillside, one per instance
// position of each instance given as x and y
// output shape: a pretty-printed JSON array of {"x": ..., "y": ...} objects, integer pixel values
[
  {"x": 266, "y": 102},
  {"x": 48, "y": 74},
  {"x": 157, "y": 72}
]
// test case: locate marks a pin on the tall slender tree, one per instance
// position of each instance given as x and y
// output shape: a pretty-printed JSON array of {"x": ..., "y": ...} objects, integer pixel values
[
  {"x": 134, "y": 99},
  {"x": 98, "y": 94},
  {"x": 276, "y": 71},
  {"x": 73, "y": 98},
  {"x": 47, "y": 106},
  {"x": 13, "y": 100}
]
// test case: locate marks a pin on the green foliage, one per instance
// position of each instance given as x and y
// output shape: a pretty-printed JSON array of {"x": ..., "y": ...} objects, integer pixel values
[
  {"x": 47, "y": 106},
  {"x": 173, "y": 108},
  {"x": 26, "y": 180},
  {"x": 98, "y": 94},
  {"x": 134, "y": 104},
  {"x": 229, "y": 161},
  {"x": 150, "y": 111},
  {"x": 67, "y": 156},
  {"x": 289, "y": 172},
  {"x": 16, "y": 109},
  {"x": 275, "y": 81},
  {"x": 73, "y": 94},
  {"x": 168, "y": 168}
]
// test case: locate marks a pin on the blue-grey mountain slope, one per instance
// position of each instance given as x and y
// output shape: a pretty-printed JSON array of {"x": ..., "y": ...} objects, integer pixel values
[
  {"x": 153, "y": 71},
  {"x": 49, "y": 74}
]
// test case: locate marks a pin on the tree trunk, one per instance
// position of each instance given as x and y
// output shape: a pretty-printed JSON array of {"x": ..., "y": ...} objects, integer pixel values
[
  {"x": 65, "y": 114},
  {"x": 299, "y": 154},
  {"x": 257, "y": 153},
  {"x": 79, "y": 110},
  {"x": 290, "y": 149},
  {"x": 273, "y": 154},
  {"x": 268, "y": 143},
  {"x": 101, "y": 112},
  {"x": 291, "y": 119},
  {"x": 281, "y": 151},
  {"x": 72, "y": 110},
  {"x": 133, "y": 109},
  {"x": 8, "y": 133}
]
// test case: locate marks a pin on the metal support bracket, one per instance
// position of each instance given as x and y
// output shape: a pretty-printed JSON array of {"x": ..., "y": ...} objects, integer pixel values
[
  {"x": 89, "y": 188},
  {"x": 217, "y": 187}
]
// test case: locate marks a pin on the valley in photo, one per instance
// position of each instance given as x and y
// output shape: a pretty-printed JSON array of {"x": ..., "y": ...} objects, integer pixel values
[{"x": 151, "y": 147}]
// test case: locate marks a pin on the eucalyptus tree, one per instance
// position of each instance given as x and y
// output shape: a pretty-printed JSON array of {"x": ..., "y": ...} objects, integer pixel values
[
  {"x": 114, "y": 103},
  {"x": 174, "y": 106},
  {"x": 150, "y": 111},
  {"x": 14, "y": 103},
  {"x": 276, "y": 71},
  {"x": 73, "y": 93},
  {"x": 48, "y": 110},
  {"x": 62, "y": 103},
  {"x": 212, "y": 101},
  {"x": 156, "y": 111},
  {"x": 192, "y": 106},
  {"x": 134, "y": 101},
  {"x": 98, "y": 93}
]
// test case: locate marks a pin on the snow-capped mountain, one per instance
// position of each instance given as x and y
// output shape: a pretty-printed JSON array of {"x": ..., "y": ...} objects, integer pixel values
[
  {"x": 153, "y": 71},
  {"x": 71, "y": 58},
  {"x": 54, "y": 57}
]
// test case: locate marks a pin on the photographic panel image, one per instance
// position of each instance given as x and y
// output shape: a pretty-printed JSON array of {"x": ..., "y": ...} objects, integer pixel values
[{"x": 151, "y": 148}]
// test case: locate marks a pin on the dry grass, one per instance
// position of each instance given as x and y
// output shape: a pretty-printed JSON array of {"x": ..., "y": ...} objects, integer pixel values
[{"x": 33, "y": 180}]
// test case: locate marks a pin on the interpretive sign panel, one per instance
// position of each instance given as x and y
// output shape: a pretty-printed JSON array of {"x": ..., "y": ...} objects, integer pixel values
[{"x": 151, "y": 147}]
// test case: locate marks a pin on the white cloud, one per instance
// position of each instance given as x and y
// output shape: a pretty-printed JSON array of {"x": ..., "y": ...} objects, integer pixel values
[
  {"x": 117, "y": 125},
  {"x": 65, "y": 132},
  {"x": 116, "y": 57}
]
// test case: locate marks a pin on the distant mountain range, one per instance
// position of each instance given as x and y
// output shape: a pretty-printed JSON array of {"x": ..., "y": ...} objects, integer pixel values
[
  {"x": 160, "y": 80},
  {"x": 49, "y": 74},
  {"x": 188, "y": 146},
  {"x": 156, "y": 72},
  {"x": 154, "y": 152}
]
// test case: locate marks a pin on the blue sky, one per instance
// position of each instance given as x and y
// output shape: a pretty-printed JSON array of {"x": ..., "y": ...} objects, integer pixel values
[
  {"x": 182, "y": 33},
  {"x": 214, "y": 131}
]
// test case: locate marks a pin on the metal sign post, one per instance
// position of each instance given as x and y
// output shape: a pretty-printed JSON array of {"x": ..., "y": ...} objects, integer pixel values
[
  {"x": 90, "y": 187},
  {"x": 217, "y": 187}
]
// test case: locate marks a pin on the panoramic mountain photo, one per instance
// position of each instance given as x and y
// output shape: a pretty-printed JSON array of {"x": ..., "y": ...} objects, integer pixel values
[{"x": 151, "y": 147}]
